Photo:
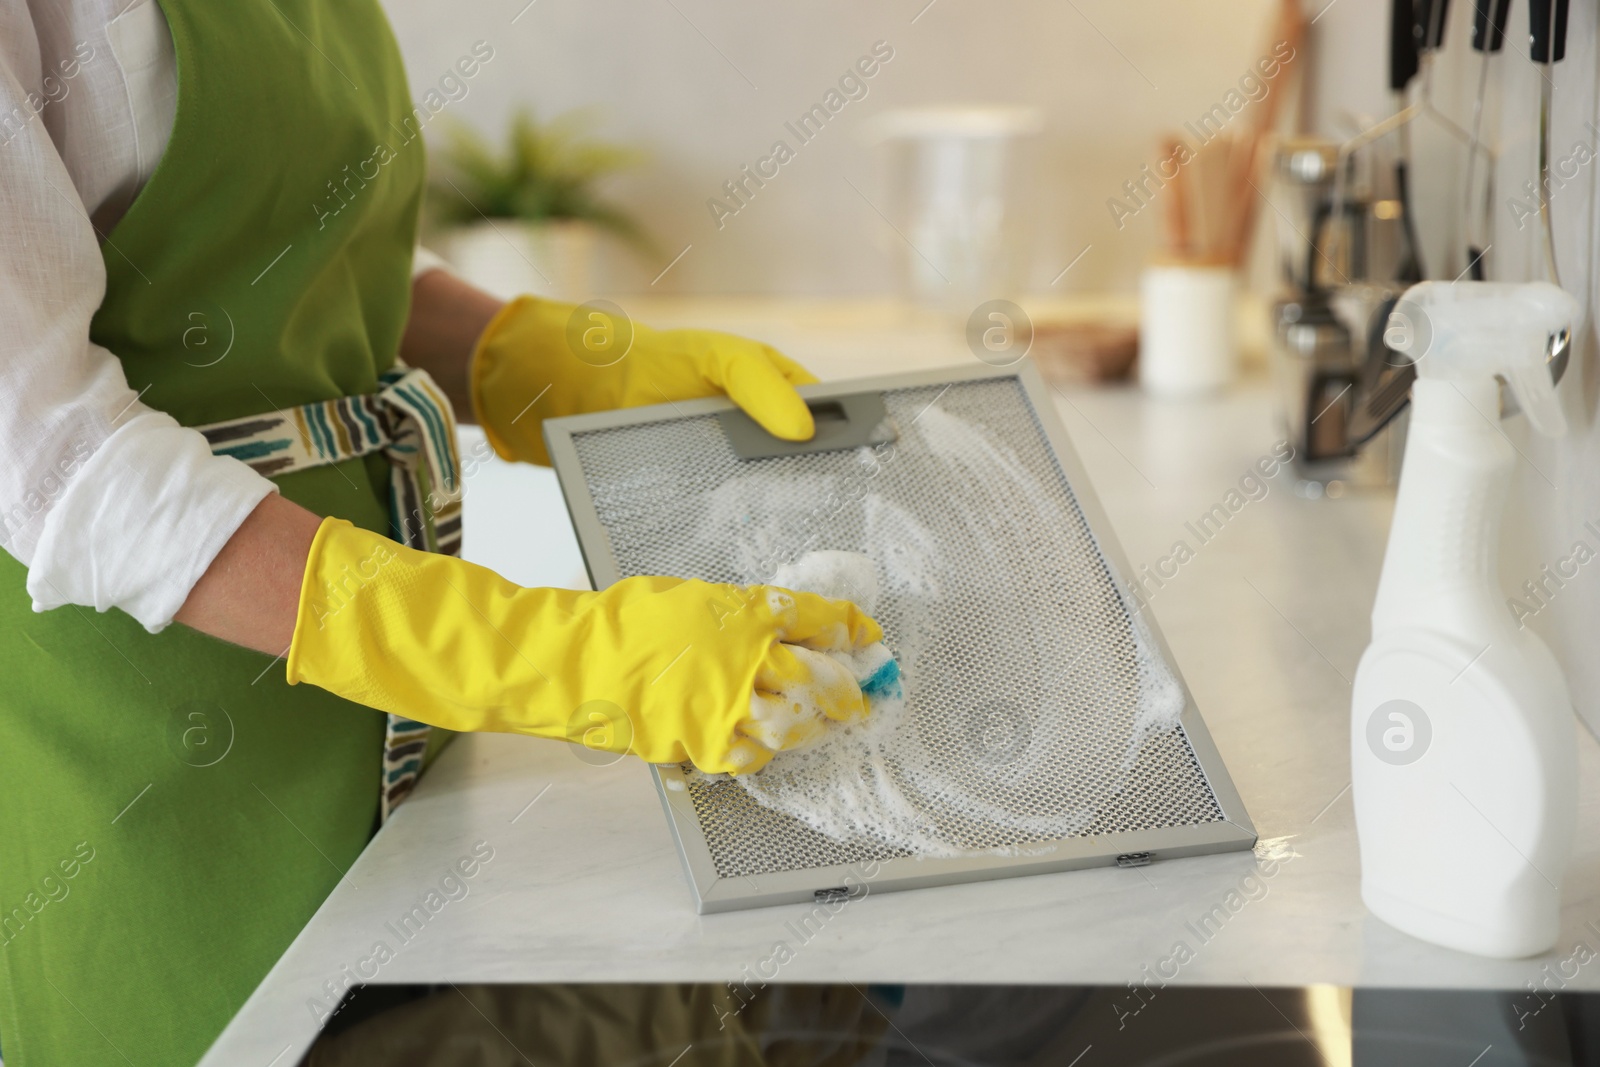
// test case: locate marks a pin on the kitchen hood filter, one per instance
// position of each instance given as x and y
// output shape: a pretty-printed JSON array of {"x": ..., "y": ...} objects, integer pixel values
[{"x": 1045, "y": 727}]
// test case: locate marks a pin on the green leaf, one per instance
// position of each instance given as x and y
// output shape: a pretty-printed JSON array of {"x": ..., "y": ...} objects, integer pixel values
[{"x": 544, "y": 171}]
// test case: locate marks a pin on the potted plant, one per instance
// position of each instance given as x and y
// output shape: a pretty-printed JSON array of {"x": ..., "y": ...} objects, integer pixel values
[{"x": 526, "y": 219}]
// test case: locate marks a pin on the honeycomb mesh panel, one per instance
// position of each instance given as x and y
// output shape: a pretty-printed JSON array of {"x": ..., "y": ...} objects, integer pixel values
[{"x": 1024, "y": 666}]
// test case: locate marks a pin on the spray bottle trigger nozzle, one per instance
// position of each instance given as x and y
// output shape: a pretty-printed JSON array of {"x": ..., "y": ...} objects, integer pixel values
[
  {"x": 1476, "y": 331},
  {"x": 1536, "y": 395}
]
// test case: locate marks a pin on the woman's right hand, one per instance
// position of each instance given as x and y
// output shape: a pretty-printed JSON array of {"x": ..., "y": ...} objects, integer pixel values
[{"x": 723, "y": 676}]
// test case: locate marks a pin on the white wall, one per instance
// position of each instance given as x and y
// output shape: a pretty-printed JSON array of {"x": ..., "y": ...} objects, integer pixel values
[
  {"x": 1350, "y": 61},
  {"x": 706, "y": 85}
]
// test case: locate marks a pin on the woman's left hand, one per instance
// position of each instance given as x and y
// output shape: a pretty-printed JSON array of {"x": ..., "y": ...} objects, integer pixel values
[{"x": 539, "y": 359}]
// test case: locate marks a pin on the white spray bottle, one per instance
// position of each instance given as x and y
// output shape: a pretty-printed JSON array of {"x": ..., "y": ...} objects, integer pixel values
[{"x": 1463, "y": 764}]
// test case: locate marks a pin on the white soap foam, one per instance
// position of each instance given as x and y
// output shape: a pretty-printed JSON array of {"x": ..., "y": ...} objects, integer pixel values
[
  {"x": 840, "y": 575},
  {"x": 882, "y": 778},
  {"x": 1160, "y": 696}
]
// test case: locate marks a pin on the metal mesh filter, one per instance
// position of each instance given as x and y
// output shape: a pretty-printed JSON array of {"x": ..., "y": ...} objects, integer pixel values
[{"x": 1032, "y": 684}]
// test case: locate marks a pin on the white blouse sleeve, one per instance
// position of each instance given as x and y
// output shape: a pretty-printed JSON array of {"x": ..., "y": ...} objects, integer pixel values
[{"x": 109, "y": 503}]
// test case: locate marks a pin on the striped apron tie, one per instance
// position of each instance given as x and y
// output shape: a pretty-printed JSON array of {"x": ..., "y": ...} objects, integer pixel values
[{"x": 410, "y": 421}]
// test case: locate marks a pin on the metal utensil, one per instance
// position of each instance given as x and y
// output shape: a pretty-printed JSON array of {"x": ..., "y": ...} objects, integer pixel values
[{"x": 1488, "y": 36}]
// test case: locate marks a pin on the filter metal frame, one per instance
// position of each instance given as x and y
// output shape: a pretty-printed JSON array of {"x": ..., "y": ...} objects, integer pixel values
[{"x": 714, "y": 893}]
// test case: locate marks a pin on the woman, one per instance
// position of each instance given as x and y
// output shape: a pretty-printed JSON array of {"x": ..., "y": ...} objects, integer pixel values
[{"x": 171, "y": 812}]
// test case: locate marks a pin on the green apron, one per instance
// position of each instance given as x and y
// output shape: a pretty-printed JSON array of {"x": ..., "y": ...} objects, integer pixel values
[{"x": 171, "y": 812}]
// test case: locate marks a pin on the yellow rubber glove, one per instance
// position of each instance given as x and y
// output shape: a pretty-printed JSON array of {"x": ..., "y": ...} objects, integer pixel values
[
  {"x": 538, "y": 360},
  {"x": 720, "y": 675}
]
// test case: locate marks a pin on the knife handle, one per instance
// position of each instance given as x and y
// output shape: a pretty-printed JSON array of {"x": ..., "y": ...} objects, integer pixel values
[
  {"x": 1428, "y": 19},
  {"x": 1543, "y": 30},
  {"x": 1489, "y": 24},
  {"x": 1402, "y": 45}
]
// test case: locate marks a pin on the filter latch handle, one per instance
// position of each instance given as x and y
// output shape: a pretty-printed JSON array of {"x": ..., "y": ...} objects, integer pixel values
[{"x": 843, "y": 422}]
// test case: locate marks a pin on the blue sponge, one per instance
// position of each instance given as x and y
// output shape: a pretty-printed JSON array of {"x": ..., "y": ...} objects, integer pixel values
[{"x": 884, "y": 682}]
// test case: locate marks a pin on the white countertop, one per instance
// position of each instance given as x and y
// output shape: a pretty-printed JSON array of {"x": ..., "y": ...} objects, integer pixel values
[{"x": 1267, "y": 623}]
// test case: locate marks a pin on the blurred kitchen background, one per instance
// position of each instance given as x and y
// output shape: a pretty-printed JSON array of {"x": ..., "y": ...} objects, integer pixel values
[
  {"x": 704, "y": 87},
  {"x": 996, "y": 151}
]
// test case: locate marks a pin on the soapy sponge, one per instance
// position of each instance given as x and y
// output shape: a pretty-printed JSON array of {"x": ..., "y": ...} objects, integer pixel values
[{"x": 854, "y": 577}]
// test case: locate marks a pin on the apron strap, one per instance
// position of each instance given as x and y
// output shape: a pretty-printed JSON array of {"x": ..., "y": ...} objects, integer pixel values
[{"x": 408, "y": 420}]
